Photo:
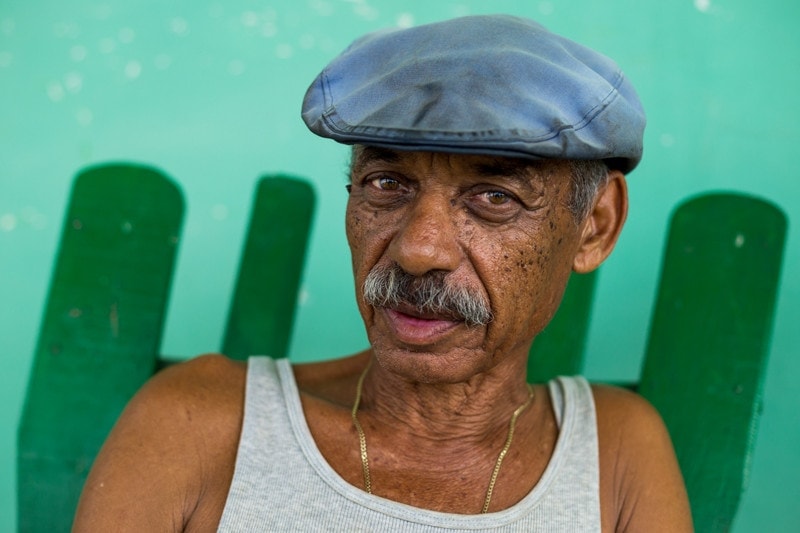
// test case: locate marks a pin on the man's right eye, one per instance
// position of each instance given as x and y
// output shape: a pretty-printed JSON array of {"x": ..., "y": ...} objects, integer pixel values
[
  {"x": 385, "y": 190},
  {"x": 384, "y": 183}
]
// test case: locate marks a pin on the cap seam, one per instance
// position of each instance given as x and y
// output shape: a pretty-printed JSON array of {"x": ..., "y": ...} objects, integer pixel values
[{"x": 604, "y": 103}]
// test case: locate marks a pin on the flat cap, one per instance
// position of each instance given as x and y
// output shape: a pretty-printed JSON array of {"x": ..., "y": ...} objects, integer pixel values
[{"x": 493, "y": 84}]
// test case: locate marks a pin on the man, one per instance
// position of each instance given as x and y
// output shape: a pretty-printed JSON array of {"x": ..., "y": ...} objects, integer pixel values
[{"x": 489, "y": 162}]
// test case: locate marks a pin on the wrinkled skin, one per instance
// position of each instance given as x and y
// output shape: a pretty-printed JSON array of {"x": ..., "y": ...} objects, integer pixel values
[{"x": 497, "y": 225}]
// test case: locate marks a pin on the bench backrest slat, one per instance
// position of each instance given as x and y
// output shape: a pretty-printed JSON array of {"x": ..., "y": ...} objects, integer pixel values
[
  {"x": 709, "y": 340},
  {"x": 100, "y": 332}
]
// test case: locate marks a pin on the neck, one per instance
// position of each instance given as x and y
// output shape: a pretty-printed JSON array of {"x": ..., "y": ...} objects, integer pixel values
[
  {"x": 451, "y": 445},
  {"x": 453, "y": 415}
]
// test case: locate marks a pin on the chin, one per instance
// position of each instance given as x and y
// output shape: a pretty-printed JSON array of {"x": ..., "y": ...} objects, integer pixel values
[{"x": 431, "y": 366}]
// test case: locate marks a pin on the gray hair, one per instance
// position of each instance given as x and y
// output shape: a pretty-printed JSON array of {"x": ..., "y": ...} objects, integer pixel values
[
  {"x": 390, "y": 286},
  {"x": 587, "y": 177}
]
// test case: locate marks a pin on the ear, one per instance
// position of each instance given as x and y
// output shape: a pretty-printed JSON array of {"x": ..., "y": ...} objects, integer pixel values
[{"x": 602, "y": 226}]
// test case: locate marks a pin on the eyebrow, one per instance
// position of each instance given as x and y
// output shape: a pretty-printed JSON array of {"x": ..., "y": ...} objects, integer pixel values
[
  {"x": 364, "y": 155},
  {"x": 523, "y": 171}
]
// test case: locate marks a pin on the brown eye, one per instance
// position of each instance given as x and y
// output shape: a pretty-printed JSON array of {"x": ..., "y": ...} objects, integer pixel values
[
  {"x": 386, "y": 183},
  {"x": 494, "y": 205},
  {"x": 497, "y": 197},
  {"x": 385, "y": 190}
]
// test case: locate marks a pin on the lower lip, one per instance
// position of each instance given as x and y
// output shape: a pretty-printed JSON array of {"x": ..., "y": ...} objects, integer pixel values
[{"x": 418, "y": 331}]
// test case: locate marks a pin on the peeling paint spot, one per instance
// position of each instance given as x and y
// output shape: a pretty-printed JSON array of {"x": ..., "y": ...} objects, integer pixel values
[
  {"x": 133, "y": 69},
  {"x": 5, "y": 59},
  {"x": 268, "y": 29},
  {"x": 322, "y": 8},
  {"x": 107, "y": 45},
  {"x": 702, "y": 5},
  {"x": 55, "y": 91},
  {"x": 78, "y": 53},
  {"x": 307, "y": 41},
  {"x": 219, "y": 212},
  {"x": 65, "y": 29},
  {"x": 667, "y": 140},
  {"x": 739, "y": 240},
  {"x": 284, "y": 51},
  {"x": 461, "y": 10},
  {"x": 216, "y": 11},
  {"x": 126, "y": 35},
  {"x": 73, "y": 82},
  {"x": 302, "y": 297},
  {"x": 8, "y": 222},
  {"x": 84, "y": 116},
  {"x": 249, "y": 19},
  {"x": 7, "y": 26},
  {"x": 365, "y": 11},
  {"x": 405, "y": 20},
  {"x": 236, "y": 67},
  {"x": 33, "y": 217},
  {"x": 102, "y": 11},
  {"x": 179, "y": 26},
  {"x": 162, "y": 61}
]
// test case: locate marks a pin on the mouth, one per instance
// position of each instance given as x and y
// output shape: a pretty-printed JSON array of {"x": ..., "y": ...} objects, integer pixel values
[{"x": 419, "y": 329}]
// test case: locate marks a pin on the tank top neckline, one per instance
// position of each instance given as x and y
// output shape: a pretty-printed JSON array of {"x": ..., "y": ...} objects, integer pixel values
[{"x": 564, "y": 405}]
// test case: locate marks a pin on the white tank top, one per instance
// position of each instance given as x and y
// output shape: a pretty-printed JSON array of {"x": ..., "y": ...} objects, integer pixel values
[{"x": 282, "y": 482}]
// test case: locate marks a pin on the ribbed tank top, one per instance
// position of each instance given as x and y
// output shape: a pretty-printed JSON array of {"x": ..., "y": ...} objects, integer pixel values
[{"x": 282, "y": 482}]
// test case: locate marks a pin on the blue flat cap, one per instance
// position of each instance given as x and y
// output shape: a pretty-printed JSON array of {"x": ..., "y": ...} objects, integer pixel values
[{"x": 495, "y": 85}]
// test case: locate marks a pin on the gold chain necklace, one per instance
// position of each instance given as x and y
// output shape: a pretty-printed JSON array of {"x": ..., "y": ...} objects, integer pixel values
[{"x": 362, "y": 440}]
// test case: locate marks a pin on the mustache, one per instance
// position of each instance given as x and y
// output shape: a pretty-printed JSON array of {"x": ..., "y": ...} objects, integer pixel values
[{"x": 390, "y": 286}]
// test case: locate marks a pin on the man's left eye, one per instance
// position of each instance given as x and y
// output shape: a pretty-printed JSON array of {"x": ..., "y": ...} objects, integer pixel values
[
  {"x": 385, "y": 183},
  {"x": 494, "y": 205},
  {"x": 497, "y": 197}
]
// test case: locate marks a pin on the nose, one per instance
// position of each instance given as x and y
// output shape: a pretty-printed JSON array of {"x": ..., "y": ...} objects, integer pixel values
[{"x": 427, "y": 237}]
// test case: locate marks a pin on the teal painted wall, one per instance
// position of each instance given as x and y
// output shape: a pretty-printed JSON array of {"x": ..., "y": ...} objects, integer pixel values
[{"x": 209, "y": 91}]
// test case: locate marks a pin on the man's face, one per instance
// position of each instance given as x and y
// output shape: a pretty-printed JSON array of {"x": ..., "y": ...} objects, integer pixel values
[{"x": 499, "y": 227}]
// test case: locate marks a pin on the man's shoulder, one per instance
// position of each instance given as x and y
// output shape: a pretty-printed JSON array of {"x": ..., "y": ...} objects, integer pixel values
[
  {"x": 172, "y": 450},
  {"x": 616, "y": 404},
  {"x": 635, "y": 450},
  {"x": 201, "y": 399},
  {"x": 211, "y": 369},
  {"x": 627, "y": 420},
  {"x": 206, "y": 380}
]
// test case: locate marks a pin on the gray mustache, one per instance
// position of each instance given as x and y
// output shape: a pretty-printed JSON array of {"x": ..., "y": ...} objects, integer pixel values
[{"x": 390, "y": 286}]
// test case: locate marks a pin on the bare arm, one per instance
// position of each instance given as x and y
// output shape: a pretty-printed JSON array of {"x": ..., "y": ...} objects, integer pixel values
[
  {"x": 641, "y": 485},
  {"x": 168, "y": 462}
]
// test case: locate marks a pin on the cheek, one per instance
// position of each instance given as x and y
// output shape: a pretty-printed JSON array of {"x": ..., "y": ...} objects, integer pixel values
[
  {"x": 531, "y": 276},
  {"x": 354, "y": 229},
  {"x": 367, "y": 238}
]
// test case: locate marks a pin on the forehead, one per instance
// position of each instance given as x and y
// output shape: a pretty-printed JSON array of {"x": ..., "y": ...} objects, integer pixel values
[{"x": 365, "y": 158}]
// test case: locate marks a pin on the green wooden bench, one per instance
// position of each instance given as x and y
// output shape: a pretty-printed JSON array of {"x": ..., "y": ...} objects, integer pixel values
[{"x": 104, "y": 315}]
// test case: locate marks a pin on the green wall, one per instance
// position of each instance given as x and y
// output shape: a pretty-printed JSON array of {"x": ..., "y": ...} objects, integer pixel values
[{"x": 209, "y": 91}]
